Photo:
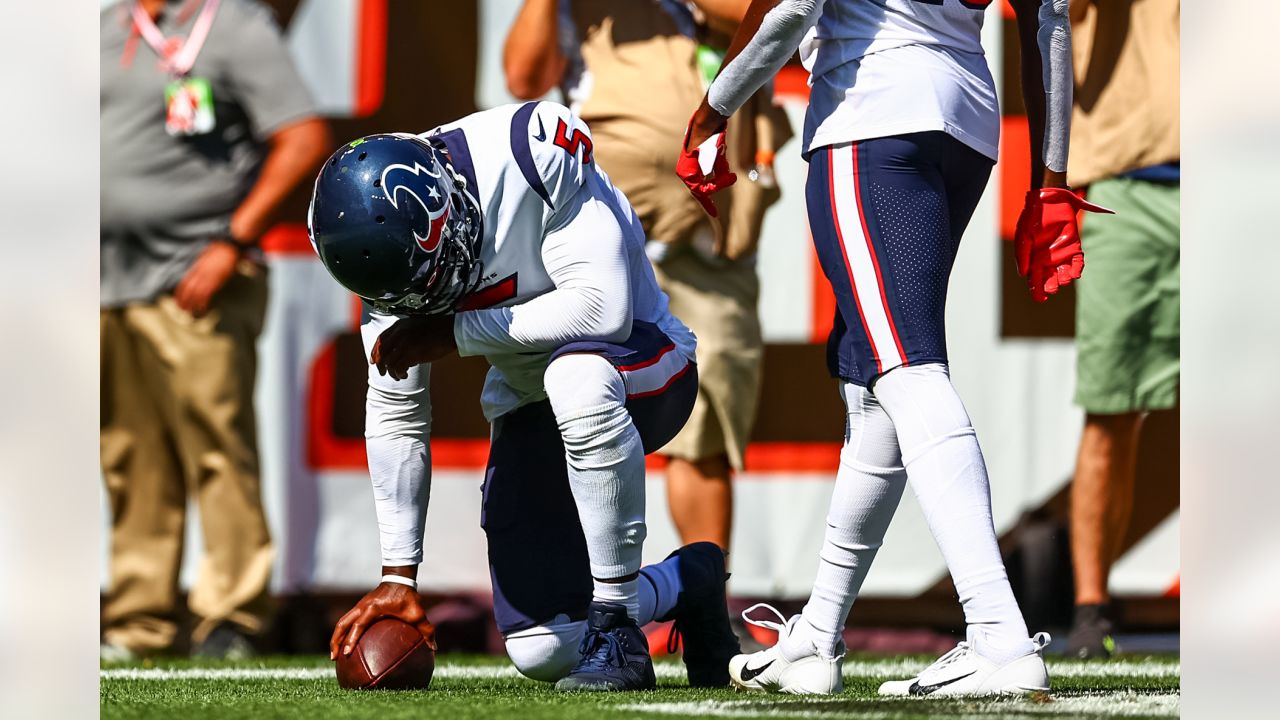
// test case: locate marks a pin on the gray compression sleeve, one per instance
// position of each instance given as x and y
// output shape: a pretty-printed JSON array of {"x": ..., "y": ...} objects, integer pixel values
[
  {"x": 1054, "y": 40},
  {"x": 778, "y": 36}
]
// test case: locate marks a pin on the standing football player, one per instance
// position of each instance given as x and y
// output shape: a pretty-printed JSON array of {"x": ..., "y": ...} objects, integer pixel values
[
  {"x": 901, "y": 135},
  {"x": 497, "y": 235}
]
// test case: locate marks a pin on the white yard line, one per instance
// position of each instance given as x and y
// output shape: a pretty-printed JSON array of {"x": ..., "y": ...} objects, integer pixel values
[
  {"x": 887, "y": 668},
  {"x": 1111, "y": 704}
]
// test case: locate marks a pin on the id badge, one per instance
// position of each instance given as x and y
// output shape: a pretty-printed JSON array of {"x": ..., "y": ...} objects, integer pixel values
[{"x": 188, "y": 106}]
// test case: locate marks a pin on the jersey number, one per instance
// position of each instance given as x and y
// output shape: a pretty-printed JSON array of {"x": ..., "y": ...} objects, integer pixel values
[{"x": 571, "y": 143}]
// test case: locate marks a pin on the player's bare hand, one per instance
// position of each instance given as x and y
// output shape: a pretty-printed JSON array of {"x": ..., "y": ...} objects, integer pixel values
[
  {"x": 210, "y": 272},
  {"x": 412, "y": 341},
  {"x": 386, "y": 600}
]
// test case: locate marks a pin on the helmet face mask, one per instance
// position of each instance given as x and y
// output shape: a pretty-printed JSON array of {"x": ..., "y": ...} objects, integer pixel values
[{"x": 394, "y": 223}]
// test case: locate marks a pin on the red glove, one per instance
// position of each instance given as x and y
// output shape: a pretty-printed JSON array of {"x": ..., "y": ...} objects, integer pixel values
[
  {"x": 1047, "y": 241},
  {"x": 705, "y": 169}
]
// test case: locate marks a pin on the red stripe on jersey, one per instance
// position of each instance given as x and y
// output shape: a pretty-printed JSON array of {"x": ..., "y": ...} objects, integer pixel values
[
  {"x": 646, "y": 363},
  {"x": 871, "y": 250},
  {"x": 683, "y": 371},
  {"x": 499, "y": 292},
  {"x": 844, "y": 252}
]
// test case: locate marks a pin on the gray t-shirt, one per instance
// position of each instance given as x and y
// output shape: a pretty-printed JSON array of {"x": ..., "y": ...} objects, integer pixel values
[{"x": 163, "y": 197}]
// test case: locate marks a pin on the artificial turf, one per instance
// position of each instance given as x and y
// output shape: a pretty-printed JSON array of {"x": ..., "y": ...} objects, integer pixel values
[{"x": 483, "y": 687}]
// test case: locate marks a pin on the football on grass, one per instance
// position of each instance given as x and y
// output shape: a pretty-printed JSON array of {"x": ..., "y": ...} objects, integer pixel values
[{"x": 391, "y": 655}]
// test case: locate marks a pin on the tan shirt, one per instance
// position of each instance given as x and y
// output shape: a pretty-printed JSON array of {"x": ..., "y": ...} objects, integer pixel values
[
  {"x": 1126, "y": 94},
  {"x": 636, "y": 82},
  {"x": 640, "y": 67}
]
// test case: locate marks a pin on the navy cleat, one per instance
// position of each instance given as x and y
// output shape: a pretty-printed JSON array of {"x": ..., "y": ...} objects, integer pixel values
[
  {"x": 701, "y": 616},
  {"x": 615, "y": 654}
]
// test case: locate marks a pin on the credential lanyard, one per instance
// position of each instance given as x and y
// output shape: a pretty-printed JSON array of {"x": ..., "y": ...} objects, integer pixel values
[{"x": 178, "y": 61}]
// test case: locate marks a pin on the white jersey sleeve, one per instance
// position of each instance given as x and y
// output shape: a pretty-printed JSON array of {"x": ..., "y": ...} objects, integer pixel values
[
  {"x": 397, "y": 441},
  {"x": 586, "y": 257}
]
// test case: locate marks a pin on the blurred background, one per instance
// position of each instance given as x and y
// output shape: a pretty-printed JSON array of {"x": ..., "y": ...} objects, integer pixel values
[{"x": 395, "y": 65}]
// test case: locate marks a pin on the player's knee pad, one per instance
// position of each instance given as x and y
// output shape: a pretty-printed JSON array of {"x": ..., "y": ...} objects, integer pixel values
[
  {"x": 923, "y": 404},
  {"x": 580, "y": 383},
  {"x": 546, "y": 652},
  {"x": 589, "y": 400}
]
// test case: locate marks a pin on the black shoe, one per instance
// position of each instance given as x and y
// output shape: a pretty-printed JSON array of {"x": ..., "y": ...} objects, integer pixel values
[
  {"x": 615, "y": 653},
  {"x": 701, "y": 616},
  {"x": 1090, "y": 635},
  {"x": 226, "y": 642}
]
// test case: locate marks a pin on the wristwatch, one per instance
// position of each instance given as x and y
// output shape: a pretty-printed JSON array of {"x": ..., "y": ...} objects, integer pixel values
[{"x": 242, "y": 245}]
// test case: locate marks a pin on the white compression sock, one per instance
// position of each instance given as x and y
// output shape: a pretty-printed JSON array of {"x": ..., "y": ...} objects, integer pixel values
[
  {"x": 606, "y": 469},
  {"x": 949, "y": 478},
  {"x": 623, "y": 593},
  {"x": 868, "y": 486},
  {"x": 660, "y": 587}
]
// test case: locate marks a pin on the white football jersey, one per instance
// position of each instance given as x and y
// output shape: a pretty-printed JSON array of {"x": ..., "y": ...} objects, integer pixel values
[
  {"x": 890, "y": 67},
  {"x": 523, "y": 164}
]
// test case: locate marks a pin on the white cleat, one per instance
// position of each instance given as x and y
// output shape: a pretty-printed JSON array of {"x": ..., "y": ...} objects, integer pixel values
[
  {"x": 769, "y": 670},
  {"x": 963, "y": 672}
]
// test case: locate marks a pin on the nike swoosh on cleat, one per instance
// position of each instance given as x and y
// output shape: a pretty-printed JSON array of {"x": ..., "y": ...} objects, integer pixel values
[
  {"x": 752, "y": 673},
  {"x": 918, "y": 689},
  {"x": 542, "y": 132}
]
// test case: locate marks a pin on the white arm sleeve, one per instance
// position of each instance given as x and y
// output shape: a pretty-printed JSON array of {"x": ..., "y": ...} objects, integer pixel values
[
  {"x": 777, "y": 38},
  {"x": 1054, "y": 39},
  {"x": 397, "y": 432},
  {"x": 587, "y": 260}
]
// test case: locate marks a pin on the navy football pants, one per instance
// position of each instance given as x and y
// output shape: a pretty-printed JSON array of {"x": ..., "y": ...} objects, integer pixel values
[
  {"x": 886, "y": 216},
  {"x": 537, "y": 553}
]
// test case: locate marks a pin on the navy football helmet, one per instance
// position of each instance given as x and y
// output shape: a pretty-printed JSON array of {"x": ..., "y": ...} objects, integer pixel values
[{"x": 395, "y": 224}]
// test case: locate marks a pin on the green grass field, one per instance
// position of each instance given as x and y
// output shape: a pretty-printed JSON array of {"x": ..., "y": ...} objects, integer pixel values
[{"x": 484, "y": 687}]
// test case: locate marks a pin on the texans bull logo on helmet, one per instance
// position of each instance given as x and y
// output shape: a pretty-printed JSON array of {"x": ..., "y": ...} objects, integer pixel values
[{"x": 423, "y": 186}]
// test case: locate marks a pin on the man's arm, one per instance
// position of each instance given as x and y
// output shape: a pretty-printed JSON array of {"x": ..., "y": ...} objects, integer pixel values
[
  {"x": 1046, "y": 241},
  {"x": 397, "y": 442},
  {"x": 1079, "y": 8},
  {"x": 587, "y": 260},
  {"x": 723, "y": 15},
  {"x": 769, "y": 34},
  {"x": 295, "y": 152},
  {"x": 1044, "y": 34},
  {"x": 397, "y": 436},
  {"x": 531, "y": 57}
]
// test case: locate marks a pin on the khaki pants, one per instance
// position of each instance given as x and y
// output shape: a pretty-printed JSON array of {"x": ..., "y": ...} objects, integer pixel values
[
  {"x": 717, "y": 299},
  {"x": 177, "y": 421}
]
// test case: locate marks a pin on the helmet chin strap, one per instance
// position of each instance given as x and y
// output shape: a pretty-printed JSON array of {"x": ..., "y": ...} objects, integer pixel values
[{"x": 471, "y": 226}]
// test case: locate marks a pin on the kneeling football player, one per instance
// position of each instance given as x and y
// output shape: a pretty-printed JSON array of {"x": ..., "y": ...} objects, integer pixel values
[{"x": 498, "y": 236}]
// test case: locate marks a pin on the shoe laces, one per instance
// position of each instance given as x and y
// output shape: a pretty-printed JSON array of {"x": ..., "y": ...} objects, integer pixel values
[
  {"x": 674, "y": 637},
  {"x": 951, "y": 656},
  {"x": 778, "y": 627},
  {"x": 600, "y": 650},
  {"x": 1041, "y": 640}
]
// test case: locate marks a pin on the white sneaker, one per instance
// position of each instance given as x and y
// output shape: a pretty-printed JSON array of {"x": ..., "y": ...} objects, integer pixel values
[
  {"x": 113, "y": 653},
  {"x": 769, "y": 670},
  {"x": 964, "y": 672}
]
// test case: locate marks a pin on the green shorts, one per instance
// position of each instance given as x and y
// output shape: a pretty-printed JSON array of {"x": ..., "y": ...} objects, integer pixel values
[{"x": 1128, "y": 299}]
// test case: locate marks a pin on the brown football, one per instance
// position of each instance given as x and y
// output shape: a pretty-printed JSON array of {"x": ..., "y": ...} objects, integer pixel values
[{"x": 391, "y": 655}]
